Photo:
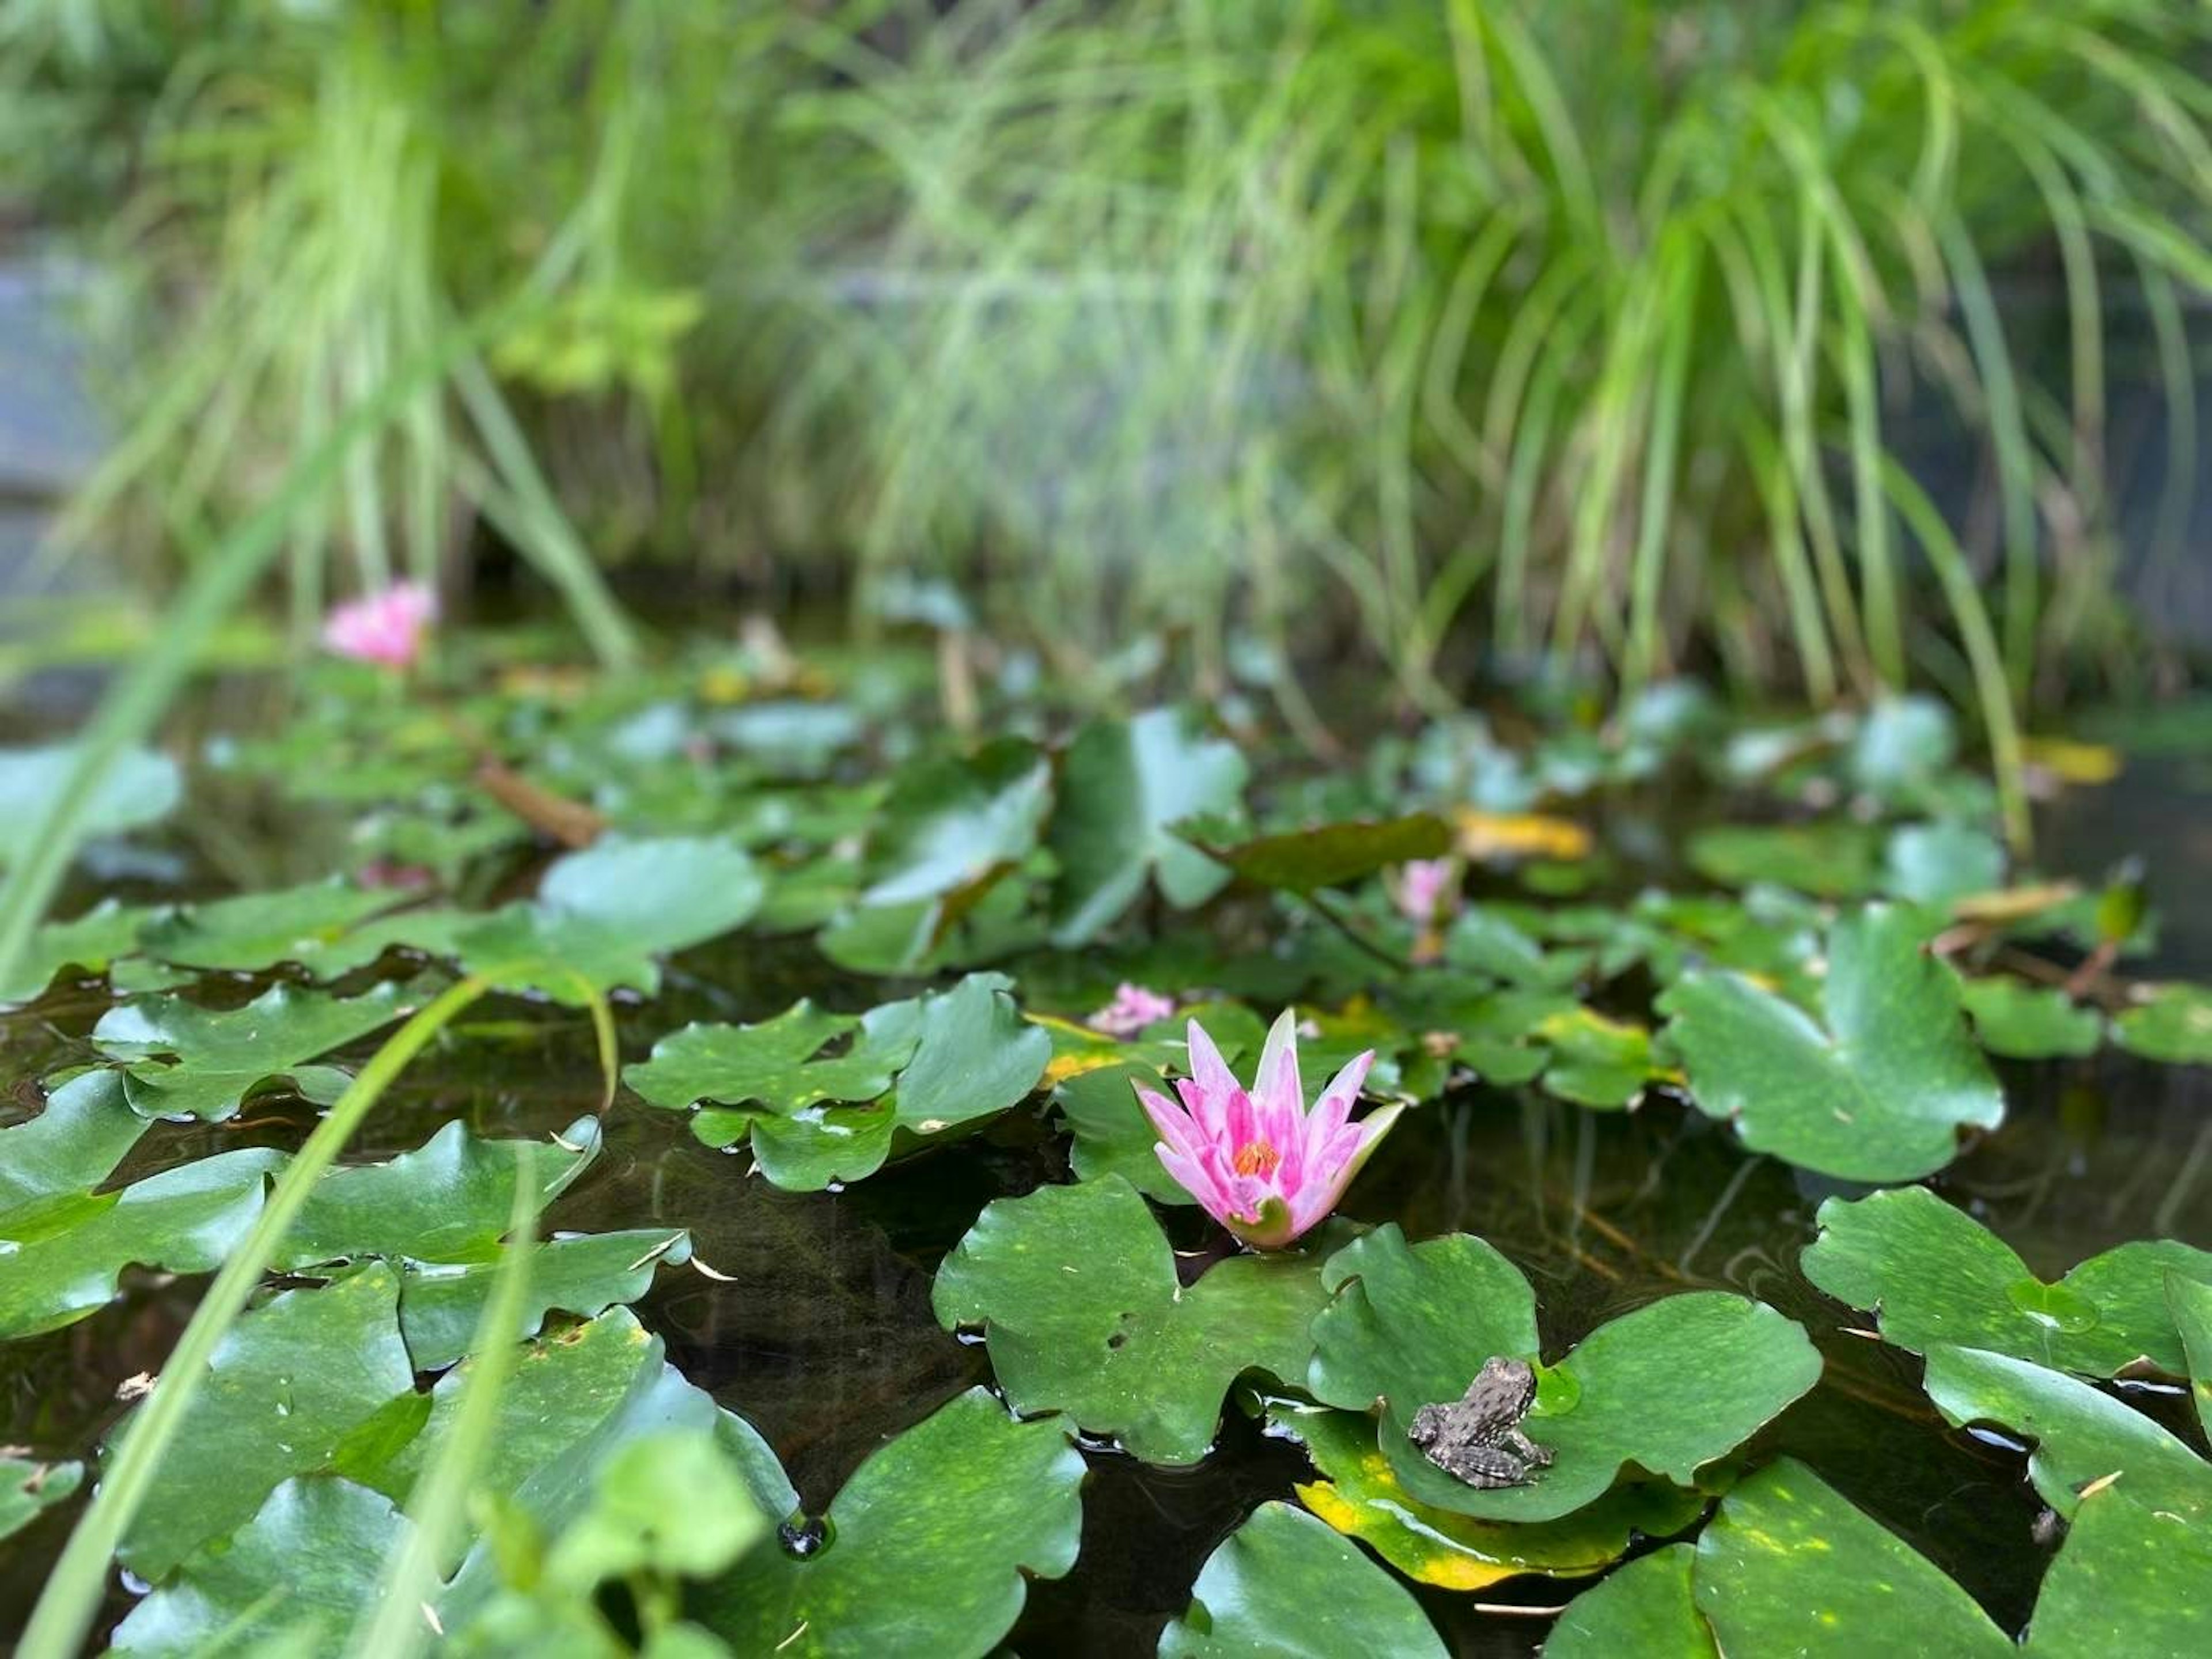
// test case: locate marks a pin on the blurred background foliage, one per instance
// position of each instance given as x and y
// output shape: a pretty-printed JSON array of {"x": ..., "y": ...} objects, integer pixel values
[{"x": 1777, "y": 341}]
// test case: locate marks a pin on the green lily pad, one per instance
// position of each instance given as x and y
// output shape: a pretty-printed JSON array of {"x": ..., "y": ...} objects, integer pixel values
[
  {"x": 1789, "y": 1566},
  {"x": 952, "y": 824},
  {"x": 958, "y": 1055},
  {"x": 1670, "y": 1387},
  {"x": 1833, "y": 859},
  {"x": 1875, "y": 1091},
  {"x": 1359, "y": 1495},
  {"x": 68, "y": 1245},
  {"x": 602, "y": 915},
  {"x": 1283, "y": 1583},
  {"x": 1076, "y": 1292},
  {"x": 965, "y": 1504},
  {"x": 1647, "y": 1608},
  {"x": 2171, "y": 1024},
  {"x": 1937, "y": 863},
  {"x": 1326, "y": 855},
  {"x": 306, "y": 925},
  {"x": 583, "y": 1273},
  {"x": 186, "y": 1060},
  {"x": 2189, "y": 1302},
  {"x": 2138, "y": 1500},
  {"x": 1936, "y": 1275},
  {"x": 1122, "y": 784},
  {"x": 139, "y": 787},
  {"x": 286, "y": 1388},
  {"x": 305, "y": 1570},
  {"x": 89, "y": 942},
  {"x": 2030, "y": 1022},
  {"x": 1596, "y": 1060},
  {"x": 26, "y": 1488},
  {"x": 1901, "y": 746},
  {"x": 2082, "y": 1433},
  {"x": 1113, "y": 1136}
]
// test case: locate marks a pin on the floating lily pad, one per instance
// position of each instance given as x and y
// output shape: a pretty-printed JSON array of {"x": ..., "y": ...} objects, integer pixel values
[
  {"x": 1936, "y": 1275},
  {"x": 1833, "y": 859},
  {"x": 1076, "y": 1292},
  {"x": 964, "y": 1503},
  {"x": 1596, "y": 1060},
  {"x": 2082, "y": 1433},
  {"x": 951, "y": 825},
  {"x": 90, "y": 942},
  {"x": 138, "y": 787},
  {"x": 1877, "y": 1091},
  {"x": 1284, "y": 1584},
  {"x": 2030, "y": 1022},
  {"x": 582, "y": 1274},
  {"x": 306, "y": 925},
  {"x": 2171, "y": 1024},
  {"x": 1122, "y": 785},
  {"x": 1902, "y": 744},
  {"x": 286, "y": 1388},
  {"x": 1359, "y": 1495},
  {"x": 1326, "y": 855},
  {"x": 67, "y": 1244},
  {"x": 304, "y": 1572},
  {"x": 956, "y": 1055},
  {"x": 1789, "y": 1566},
  {"x": 26, "y": 1488},
  {"x": 186, "y": 1060},
  {"x": 602, "y": 915},
  {"x": 1937, "y": 863},
  {"x": 2139, "y": 1503},
  {"x": 1648, "y": 1609},
  {"x": 1670, "y": 1387},
  {"x": 1113, "y": 1136}
]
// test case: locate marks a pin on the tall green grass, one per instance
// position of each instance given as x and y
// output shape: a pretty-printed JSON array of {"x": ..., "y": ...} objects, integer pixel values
[{"x": 1480, "y": 327}]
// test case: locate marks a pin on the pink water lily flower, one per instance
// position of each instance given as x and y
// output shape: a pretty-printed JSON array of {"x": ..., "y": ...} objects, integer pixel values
[
  {"x": 1262, "y": 1165},
  {"x": 1424, "y": 889},
  {"x": 386, "y": 626},
  {"x": 1133, "y": 1007}
]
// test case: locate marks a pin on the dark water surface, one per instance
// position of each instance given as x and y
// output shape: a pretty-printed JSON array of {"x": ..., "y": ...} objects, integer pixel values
[{"x": 825, "y": 1340}]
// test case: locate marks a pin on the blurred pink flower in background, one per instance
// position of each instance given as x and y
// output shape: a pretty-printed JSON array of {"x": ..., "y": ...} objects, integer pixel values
[
  {"x": 386, "y": 626},
  {"x": 1262, "y": 1165},
  {"x": 1424, "y": 889},
  {"x": 1134, "y": 1008}
]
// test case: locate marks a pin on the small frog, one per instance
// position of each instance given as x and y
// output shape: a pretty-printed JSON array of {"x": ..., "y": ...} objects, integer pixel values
[{"x": 1478, "y": 1439}]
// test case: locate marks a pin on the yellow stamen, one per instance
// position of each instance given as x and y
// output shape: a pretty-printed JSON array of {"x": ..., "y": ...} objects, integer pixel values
[{"x": 1256, "y": 1158}]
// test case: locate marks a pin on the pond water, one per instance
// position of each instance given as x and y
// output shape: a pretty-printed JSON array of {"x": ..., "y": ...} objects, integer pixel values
[{"x": 818, "y": 1327}]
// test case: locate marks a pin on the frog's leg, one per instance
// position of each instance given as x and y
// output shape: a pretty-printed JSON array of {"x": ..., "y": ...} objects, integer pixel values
[
  {"x": 1526, "y": 1450},
  {"x": 1482, "y": 1467}
]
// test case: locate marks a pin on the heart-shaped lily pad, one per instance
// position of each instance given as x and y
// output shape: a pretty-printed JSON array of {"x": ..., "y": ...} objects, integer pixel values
[
  {"x": 1648, "y": 1609},
  {"x": 2169, "y": 1023},
  {"x": 91, "y": 941},
  {"x": 927, "y": 1546},
  {"x": 1359, "y": 1495},
  {"x": 956, "y": 1055},
  {"x": 306, "y": 925},
  {"x": 298, "y": 1576},
  {"x": 1670, "y": 1387},
  {"x": 1789, "y": 1566},
  {"x": 2030, "y": 1022},
  {"x": 603, "y": 916},
  {"x": 1284, "y": 1584},
  {"x": 286, "y": 1388},
  {"x": 66, "y": 1245},
  {"x": 1324, "y": 855},
  {"x": 1934, "y": 1275},
  {"x": 1122, "y": 784},
  {"x": 1877, "y": 1091},
  {"x": 1076, "y": 1291},
  {"x": 186, "y": 1060}
]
